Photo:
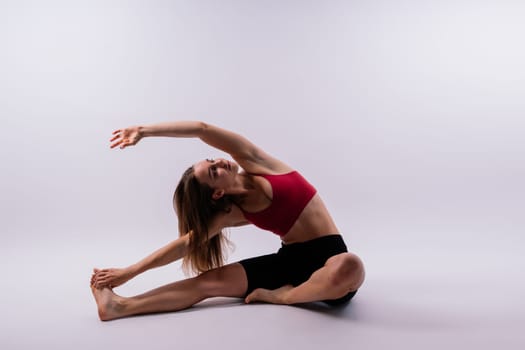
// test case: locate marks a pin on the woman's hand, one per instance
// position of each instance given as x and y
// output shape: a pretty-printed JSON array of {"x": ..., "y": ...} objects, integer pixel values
[
  {"x": 110, "y": 278},
  {"x": 126, "y": 137}
]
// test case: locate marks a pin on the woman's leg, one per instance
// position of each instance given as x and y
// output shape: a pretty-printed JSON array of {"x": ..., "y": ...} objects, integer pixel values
[
  {"x": 340, "y": 275},
  {"x": 226, "y": 281}
]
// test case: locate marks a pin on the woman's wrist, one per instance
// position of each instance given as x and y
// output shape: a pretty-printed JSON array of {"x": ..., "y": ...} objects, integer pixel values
[
  {"x": 144, "y": 131},
  {"x": 132, "y": 271}
]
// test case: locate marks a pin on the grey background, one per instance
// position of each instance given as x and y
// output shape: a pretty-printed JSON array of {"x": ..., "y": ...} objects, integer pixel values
[{"x": 407, "y": 116}]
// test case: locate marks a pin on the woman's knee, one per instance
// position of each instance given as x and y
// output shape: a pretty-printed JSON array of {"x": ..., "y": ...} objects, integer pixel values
[{"x": 348, "y": 271}]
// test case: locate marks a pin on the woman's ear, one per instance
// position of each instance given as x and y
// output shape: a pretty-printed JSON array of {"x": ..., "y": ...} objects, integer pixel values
[{"x": 217, "y": 194}]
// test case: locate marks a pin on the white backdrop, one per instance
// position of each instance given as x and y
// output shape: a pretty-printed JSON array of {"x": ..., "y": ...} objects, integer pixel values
[{"x": 406, "y": 115}]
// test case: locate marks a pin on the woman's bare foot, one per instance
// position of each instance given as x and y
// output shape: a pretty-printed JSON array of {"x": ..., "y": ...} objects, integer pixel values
[
  {"x": 276, "y": 296},
  {"x": 110, "y": 305}
]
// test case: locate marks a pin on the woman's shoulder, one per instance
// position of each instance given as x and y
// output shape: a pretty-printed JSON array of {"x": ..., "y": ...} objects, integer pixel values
[{"x": 234, "y": 217}]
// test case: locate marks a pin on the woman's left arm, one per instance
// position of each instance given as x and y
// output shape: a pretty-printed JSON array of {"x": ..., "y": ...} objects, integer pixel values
[
  {"x": 234, "y": 144},
  {"x": 248, "y": 155}
]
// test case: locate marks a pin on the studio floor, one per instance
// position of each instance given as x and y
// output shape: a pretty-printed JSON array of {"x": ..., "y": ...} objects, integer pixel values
[{"x": 408, "y": 301}]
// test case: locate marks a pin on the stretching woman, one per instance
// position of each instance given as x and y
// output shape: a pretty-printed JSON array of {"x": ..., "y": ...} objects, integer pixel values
[{"x": 313, "y": 263}]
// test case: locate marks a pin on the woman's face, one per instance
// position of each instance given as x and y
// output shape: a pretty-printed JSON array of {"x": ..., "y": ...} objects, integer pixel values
[{"x": 216, "y": 173}]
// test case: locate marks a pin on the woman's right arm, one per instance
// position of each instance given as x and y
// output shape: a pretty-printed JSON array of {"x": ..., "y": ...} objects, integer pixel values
[
  {"x": 171, "y": 252},
  {"x": 115, "y": 277}
]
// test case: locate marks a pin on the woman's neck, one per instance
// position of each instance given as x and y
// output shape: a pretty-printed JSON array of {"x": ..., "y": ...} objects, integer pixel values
[{"x": 243, "y": 189}]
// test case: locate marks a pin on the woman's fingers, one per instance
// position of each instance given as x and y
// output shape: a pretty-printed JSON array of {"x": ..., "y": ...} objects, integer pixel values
[
  {"x": 102, "y": 278},
  {"x": 99, "y": 278},
  {"x": 117, "y": 143},
  {"x": 100, "y": 283},
  {"x": 118, "y": 135},
  {"x": 106, "y": 278},
  {"x": 124, "y": 138},
  {"x": 98, "y": 273},
  {"x": 122, "y": 143}
]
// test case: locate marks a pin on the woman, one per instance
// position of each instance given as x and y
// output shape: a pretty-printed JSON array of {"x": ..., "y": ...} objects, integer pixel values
[{"x": 312, "y": 265}]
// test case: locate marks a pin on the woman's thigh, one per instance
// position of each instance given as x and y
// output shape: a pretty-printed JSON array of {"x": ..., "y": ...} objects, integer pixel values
[
  {"x": 226, "y": 281},
  {"x": 292, "y": 264}
]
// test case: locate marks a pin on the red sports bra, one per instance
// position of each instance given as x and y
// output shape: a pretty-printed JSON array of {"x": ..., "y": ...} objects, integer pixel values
[{"x": 291, "y": 194}]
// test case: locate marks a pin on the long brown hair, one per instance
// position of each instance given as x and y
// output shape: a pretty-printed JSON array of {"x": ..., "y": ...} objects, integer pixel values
[{"x": 195, "y": 209}]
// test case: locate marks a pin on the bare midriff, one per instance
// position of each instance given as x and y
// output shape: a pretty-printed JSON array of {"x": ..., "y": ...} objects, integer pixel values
[{"x": 313, "y": 222}]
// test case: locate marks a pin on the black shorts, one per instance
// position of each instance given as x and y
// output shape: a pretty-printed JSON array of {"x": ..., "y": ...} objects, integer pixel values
[{"x": 294, "y": 264}]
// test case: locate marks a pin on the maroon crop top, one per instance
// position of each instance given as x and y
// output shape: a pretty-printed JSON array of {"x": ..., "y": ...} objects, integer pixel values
[{"x": 291, "y": 194}]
